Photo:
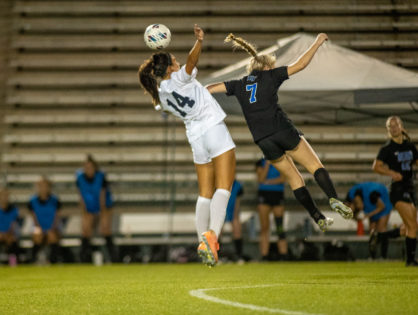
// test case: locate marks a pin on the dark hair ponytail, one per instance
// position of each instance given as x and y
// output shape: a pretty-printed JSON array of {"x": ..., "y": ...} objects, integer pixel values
[{"x": 155, "y": 66}]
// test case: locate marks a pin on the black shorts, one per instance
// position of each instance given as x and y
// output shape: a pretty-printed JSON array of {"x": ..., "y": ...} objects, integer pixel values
[
  {"x": 401, "y": 191},
  {"x": 274, "y": 146},
  {"x": 271, "y": 198}
]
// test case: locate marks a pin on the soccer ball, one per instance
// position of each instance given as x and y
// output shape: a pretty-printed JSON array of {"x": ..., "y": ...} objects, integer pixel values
[{"x": 157, "y": 36}]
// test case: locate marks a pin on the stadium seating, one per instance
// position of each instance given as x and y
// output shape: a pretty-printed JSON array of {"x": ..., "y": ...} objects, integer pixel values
[{"x": 72, "y": 89}]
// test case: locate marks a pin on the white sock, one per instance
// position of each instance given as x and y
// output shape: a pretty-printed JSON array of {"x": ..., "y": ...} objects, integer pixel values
[
  {"x": 202, "y": 215},
  {"x": 218, "y": 210}
]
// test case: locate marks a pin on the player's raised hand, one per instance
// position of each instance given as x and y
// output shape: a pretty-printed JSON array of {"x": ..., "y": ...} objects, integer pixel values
[
  {"x": 321, "y": 38},
  {"x": 198, "y": 32}
]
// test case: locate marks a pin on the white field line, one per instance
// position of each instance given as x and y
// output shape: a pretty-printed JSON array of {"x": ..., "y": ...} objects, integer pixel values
[{"x": 201, "y": 294}]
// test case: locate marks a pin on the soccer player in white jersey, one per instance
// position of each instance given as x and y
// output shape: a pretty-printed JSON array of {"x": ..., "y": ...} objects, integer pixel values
[{"x": 176, "y": 90}]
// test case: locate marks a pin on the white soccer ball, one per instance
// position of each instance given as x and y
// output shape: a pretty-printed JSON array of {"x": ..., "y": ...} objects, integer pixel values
[{"x": 157, "y": 36}]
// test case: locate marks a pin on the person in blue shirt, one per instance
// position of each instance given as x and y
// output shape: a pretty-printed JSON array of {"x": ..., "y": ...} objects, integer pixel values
[
  {"x": 44, "y": 207},
  {"x": 270, "y": 199},
  {"x": 373, "y": 199},
  {"x": 96, "y": 203},
  {"x": 233, "y": 216},
  {"x": 9, "y": 215}
]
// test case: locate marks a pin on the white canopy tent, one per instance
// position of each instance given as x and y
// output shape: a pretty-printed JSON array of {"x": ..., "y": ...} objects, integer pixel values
[{"x": 338, "y": 86}]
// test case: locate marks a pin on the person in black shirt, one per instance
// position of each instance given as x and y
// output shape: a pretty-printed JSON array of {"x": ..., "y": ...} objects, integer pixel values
[
  {"x": 396, "y": 159},
  {"x": 274, "y": 132}
]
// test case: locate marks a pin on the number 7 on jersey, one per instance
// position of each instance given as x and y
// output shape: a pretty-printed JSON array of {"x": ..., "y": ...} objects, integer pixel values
[{"x": 253, "y": 89}]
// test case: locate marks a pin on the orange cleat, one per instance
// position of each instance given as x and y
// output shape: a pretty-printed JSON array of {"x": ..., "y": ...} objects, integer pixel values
[{"x": 212, "y": 247}]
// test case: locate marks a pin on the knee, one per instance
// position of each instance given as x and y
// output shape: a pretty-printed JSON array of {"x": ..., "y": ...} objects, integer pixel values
[
  {"x": 206, "y": 194},
  {"x": 10, "y": 239},
  {"x": 264, "y": 229},
  {"x": 296, "y": 182},
  {"x": 315, "y": 166},
  {"x": 412, "y": 227},
  {"x": 224, "y": 185},
  {"x": 105, "y": 228},
  {"x": 52, "y": 239},
  {"x": 37, "y": 239},
  {"x": 86, "y": 230},
  {"x": 411, "y": 224}
]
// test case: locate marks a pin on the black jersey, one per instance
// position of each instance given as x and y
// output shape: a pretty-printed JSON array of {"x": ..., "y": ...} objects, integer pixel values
[
  {"x": 400, "y": 158},
  {"x": 257, "y": 95}
]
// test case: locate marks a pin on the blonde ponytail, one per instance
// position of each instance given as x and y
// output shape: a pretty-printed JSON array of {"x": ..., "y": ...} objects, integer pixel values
[
  {"x": 258, "y": 62},
  {"x": 239, "y": 42}
]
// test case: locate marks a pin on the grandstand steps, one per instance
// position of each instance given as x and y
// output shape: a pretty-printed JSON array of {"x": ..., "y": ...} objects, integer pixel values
[
  {"x": 126, "y": 43},
  {"x": 79, "y": 80},
  {"x": 278, "y": 24},
  {"x": 111, "y": 60},
  {"x": 202, "y": 8},
  {"x": 317, "y": 134}
]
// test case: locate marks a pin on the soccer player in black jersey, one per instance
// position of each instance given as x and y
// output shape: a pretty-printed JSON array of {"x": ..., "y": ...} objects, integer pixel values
[
  {"x": 274, "y": 132},
  {"x": 396, "y": 159}
]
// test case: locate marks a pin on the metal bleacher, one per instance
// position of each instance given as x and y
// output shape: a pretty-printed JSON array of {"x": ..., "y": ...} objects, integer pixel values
[{"x": 72, "y": 89}]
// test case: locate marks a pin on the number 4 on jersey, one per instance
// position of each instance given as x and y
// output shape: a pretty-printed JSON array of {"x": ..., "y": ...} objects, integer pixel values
[
  {"x": 253, "y": 89},
  {"x": 181, "y": 102}
]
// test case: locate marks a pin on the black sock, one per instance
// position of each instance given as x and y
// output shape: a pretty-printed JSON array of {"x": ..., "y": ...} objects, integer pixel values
[
  {"x": 13, "y": 249},
  {"x": 85, "y": 253},
  {"x": 279, "y": 228},
  {"x": 54, "y": 253},
  {"x": 384, "y": 244},
  {"x": 393, "y": 233},
  {"x": 35, "y": 250},
  {"x": 411, "y": 244},
  {"x": 238, "y": 246},
  {"x": 110, "y": 248},
  {"x": 324, "y": 181},
  {"x": 304, "y": 197}
]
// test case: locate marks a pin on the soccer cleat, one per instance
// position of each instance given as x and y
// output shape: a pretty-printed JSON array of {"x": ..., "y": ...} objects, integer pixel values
[
  {"x": 212, "y": 247},
  {"x": 339, "y": 207},
  {"x": 412, "y": 263},
  {"x": 324, "y": 224},
  {"x": 203, "y": 252}
]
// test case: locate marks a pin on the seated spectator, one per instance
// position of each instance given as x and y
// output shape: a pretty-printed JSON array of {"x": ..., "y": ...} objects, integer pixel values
[
  {"x": 9, "y": 215},
  {"x": 45, "y": 207}
]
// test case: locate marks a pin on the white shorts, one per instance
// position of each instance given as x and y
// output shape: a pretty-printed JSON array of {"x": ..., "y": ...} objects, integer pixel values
[{"x": 211, "y": 144}]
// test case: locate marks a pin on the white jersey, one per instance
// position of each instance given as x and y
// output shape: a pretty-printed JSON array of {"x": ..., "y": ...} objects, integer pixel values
[{"x": 184, "y": 97}]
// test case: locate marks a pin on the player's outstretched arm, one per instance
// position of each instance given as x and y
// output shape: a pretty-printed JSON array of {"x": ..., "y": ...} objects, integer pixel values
[
  {"x": 381, "y": 168},
  {"x": 216, "y": 88},
  {"x": 194, "y": 54},
  {"x": 307, "y": 56}
]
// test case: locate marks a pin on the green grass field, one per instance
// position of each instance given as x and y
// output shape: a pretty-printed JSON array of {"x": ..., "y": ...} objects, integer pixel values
[{"x": 295, "y": 288}]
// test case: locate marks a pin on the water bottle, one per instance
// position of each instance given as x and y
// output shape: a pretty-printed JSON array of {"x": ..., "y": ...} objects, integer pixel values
[{"x": 97, "y": 258}]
